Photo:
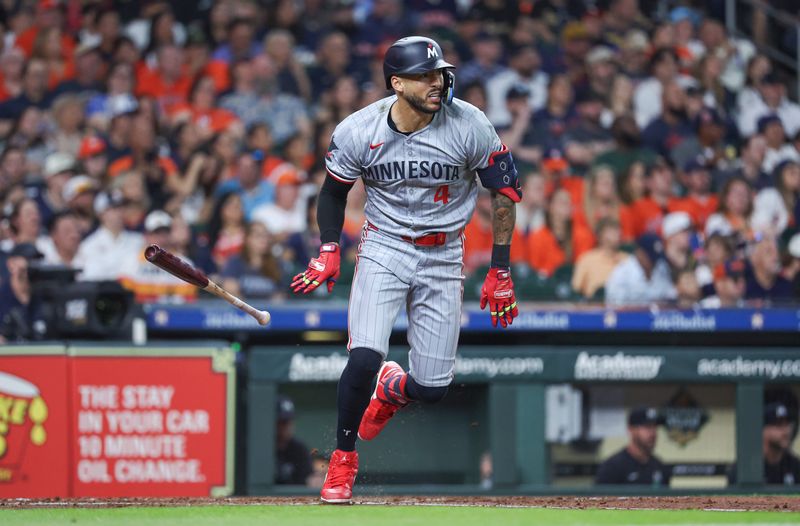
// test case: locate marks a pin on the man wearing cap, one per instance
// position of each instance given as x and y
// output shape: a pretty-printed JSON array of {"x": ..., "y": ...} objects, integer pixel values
[
  {"x": 248, "y": 183},
  {"x": 762, "y": 275},
  {"x": 676, "y": 231},
  {"x": 772, "y": 100},
  {"x": 643, "y": 277},
  {"x": 748, "y": 165},
  {"x": 778, "y": 150},
  {"x": 17, "y": 309},
  {"x": 89, "y": 72},
  {"x": 700, "y": 202},
  {"x": 524, "y": 71},
  {"x": 586, "y": 137},
  {"x": 93, "y": 158},
  {"x": 148, "y": 282},
  {"x": 780, "y": 465},
  {"x": 78, "y": 195},
  {"x": 636, "y": 463},
  {"x": 103, "y": 254},
  {"x": 292, "y": 458},
  {"x": 58, "y": 168},
  {"x": 706, "y": 143},
  {"x": 285, "y": 216},
  {"x": 729, "y": 286},
  {"x": 672, "y": 127}
]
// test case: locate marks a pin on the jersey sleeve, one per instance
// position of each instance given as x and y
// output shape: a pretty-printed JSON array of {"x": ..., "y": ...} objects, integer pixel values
[
  {"x": 482, "y": 140},
  {"x": 342, "y": 159}
]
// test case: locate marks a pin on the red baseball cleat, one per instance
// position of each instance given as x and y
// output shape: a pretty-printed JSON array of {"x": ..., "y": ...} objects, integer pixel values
[
  {"x": 338, "y": 485},
  {"x": 387, "y": 398}
]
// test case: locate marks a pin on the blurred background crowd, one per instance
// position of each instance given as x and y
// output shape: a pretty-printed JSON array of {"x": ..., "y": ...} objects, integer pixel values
[{"x": 660, "y": 155}]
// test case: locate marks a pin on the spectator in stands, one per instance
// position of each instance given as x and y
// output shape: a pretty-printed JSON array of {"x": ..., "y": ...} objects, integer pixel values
[
  {"x": 627, "y": 146},
  {"x": 548, "y": 125},
  {"x": 25, "y": 222},
  {"x": 593, "y": 267},
  {"x": 762, "y": 275},
  {"x": 647, "y": 212},
  {"x": 137, "y": 200},
  {"x": 729, "y": 286},
  {"x": 31, "y": 132},
  {"x": 561, "y": 240},
  {"x": 735, "y": 207},
  {"x": 18, "y": 309},
  {"x": 79, "y": 195},
  {"x": 255, "y": 272},
  {"x": 643, "y": 277},
  {"x": 707, "y": 142},
  {"x": 648, "y": 95},
  {"x": 201, "y": 110},
  {"x": 717, "y": 250},
  {"x": 780, "y": 465},
  {"x": 12, "y": 64},
  {"x": 530, "y": 212},
  {"x": 772, "y": 100},
  {"x": 116, "y": 245},
  {"x": 195, "y": 187},
  {"x": 748, "y": 165},
  {"x": 633, "y": 55},
  {"x": 757, "y": 67},
  {"x": 333, "y": 60},
  {"x": 776, "y": 208},
  {"x": 600, "y": 199},
  {"x": 668, "y": 131},
  {"x": 249, "y": 184},
  {"x": 487, "y": 51},
  {"x": 93, "y": 158},
  {"x": 519, "y": 108},
  {"x": 636, "y": 463},
  {"x": 67, "y": 112},
  {"x": 34, "y": 92},
  {"x": 240, "y": 42},
  {"x": 89, "y": 69},
  {"x": 524, "y": 72},
  {"x": 226, "y": 228},
  {"x": 699, "y": 202},
  {"x": 61, "y": 246},
  {"x": 687, "y": 290},
  {"x": 285, "y": 216},
  {"x": 119, "y": 89},
  {"x": 778, "y": 149},
  {"x": 290, "y": 74},
  {"x": 292, "y": 458},
  {"x": 149, "y": 283},
  {"x": 558, "y": 174},
  {"x": 167, "y": 83},
  {"x": 676, "y": 232},
  {"x": 58, "y": 168},
  {"x": 586, "y": 137}
]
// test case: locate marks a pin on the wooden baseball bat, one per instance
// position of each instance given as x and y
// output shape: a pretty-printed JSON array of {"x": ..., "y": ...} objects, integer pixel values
[{"x": 180, "y": 269}]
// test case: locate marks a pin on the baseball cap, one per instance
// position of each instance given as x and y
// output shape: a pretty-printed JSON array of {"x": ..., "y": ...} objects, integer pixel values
[
  {"x": 652, "y": 245},
  {"x": 695, "y": 163},
  {"x": 106, "y": 200},
  {"x": 636, "y": 40},
  {"x": 708, "y": 116},
  {"x": 25, "y": 250},
  {"x": 775, "y": 413},
  {"x": 91, "y": 146},
  {"x": 733, "y": 268},
  {"x": 285, "y": 409},
  {"x": 682, "y": 13},
  {"x": 766, "y": 120},
  {"x": 76, "y": 186},
  {"x": 771, "y": 79},
  {"x": 599, "y": 54},
  {"x": 518, "y": 91},
  {"x": 157, "y": 220},
  {"x": 124, "y": 104},
  {"x": 86, "y": 47},
  {"x": 674, "y": 223},
  {"x": 574, "y": 31},
  {"x": 642, "y": 416},
  {"x": 58, "y": 162}
]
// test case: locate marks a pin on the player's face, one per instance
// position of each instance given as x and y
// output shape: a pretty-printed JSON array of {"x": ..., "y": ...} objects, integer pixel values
[
  {"x": 423, "y": 91},
  {"x": 778, "y": 435},
  {"x": 644, "y": 436}
]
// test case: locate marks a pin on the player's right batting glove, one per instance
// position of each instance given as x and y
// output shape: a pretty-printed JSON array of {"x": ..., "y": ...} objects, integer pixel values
[
  {"x": 498, "y": 293},
  {"x": 322, "y": 268}
]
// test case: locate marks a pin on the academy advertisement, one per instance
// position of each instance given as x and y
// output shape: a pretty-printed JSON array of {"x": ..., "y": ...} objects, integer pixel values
[
  {"x": 34, "y": 429},
  {"x": 101, "y": 422}
]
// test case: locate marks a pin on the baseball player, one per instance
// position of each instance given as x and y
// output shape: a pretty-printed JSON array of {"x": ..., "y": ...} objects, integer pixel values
[{"x": 418, "y": 153}]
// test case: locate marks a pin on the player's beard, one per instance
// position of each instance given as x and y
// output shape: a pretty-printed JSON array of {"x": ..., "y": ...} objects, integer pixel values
[{"x": 419, "y": 104}]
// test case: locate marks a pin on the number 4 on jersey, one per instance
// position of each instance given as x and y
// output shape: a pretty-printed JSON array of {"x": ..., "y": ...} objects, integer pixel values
[{"x": 442, "y": 194}]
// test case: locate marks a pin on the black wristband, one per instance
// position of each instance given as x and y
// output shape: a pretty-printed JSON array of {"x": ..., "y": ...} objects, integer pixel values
[{"x": 501, "y": 256}]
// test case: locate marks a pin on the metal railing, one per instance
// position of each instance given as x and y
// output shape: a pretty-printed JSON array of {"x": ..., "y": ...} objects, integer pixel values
[{"x": 773, "y": 15}]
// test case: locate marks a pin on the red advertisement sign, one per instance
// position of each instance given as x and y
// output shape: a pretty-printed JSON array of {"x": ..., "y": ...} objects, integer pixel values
[
  {"x": 116, "y": 422},
  {"x": 34, "y": 425},
  {"x": 149, "y": 426}
]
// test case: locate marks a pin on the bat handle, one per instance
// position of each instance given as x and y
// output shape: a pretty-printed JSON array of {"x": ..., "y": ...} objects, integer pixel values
[{"x": 261, "y": 316}]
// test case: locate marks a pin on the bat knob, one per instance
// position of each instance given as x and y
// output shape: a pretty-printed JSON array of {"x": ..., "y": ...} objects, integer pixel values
[
  {"x": 263, "y": 317},
  {"x": 151, "y": 251}
]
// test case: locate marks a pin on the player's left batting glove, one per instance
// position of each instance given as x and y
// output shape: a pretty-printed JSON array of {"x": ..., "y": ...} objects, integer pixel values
[
  {"x": 498, "y": 293},
  {"x": 322, "y": 268}
]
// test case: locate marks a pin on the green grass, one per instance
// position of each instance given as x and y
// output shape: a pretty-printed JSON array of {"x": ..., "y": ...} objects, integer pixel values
[{"x": 380, "y": 516}]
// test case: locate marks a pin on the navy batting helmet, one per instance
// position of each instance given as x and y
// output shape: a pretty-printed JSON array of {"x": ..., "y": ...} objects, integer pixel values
[{"x": 412, "y": 55}]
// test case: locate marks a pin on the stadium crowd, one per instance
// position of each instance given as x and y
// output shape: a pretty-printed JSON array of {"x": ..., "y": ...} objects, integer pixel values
[{"x": 660, "y": 155}]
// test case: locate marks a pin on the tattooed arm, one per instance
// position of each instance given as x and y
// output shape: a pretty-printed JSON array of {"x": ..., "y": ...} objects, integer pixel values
[{"x": 503, "y": 218}]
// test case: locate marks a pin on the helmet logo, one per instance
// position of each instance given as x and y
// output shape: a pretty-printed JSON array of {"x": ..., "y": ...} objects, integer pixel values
[{"x": 432, "y": 51}]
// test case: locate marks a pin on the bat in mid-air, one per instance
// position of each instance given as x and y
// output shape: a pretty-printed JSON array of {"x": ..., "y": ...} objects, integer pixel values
[{"x": 180, "y": 269}]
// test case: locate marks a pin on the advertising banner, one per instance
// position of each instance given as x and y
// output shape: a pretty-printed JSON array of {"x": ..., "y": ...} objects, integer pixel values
[{"x": 34, "y": 423}]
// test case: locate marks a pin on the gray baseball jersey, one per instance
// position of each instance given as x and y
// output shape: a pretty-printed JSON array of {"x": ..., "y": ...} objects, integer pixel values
[{"x": 416, "y": 184}]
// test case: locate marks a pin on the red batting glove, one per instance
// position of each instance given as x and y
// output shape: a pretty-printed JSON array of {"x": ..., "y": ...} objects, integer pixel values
[
  {"x": 498, "y": 293},
  {"x": 322, "y": 268}
]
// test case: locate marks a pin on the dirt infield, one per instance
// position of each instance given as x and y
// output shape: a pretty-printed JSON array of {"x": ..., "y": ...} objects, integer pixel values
[{"x": 738, "y": 503}]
